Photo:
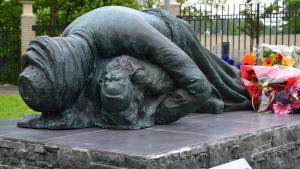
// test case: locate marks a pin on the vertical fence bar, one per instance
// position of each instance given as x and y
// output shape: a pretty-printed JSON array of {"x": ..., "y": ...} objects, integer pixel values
[
  {"x": 257, "y": 26},
  {"x": 295, "y": 28},
  {"x": 216, "y": 17},
  {"x": 10, "y": 58},
  {"x": 200, "y": 25},
  {"x": 205, "y": 17},
  {"x": 189, "y": 15},
  {"x": 282, "y": 20},
  {"x": 194, "y": 21},
  {"x": 289, "y": 25},
  {"x": 276, "y": 25},
  {"x": 233, "y": 26},
  {"x": 222, "y": 23},
  {"x": 239, "y": 44},
  {"x": 5, "y": 51},
  {"x": 251, "y": 29},
  {"x": 270, "y": 28},
  {"x": 211, "y": 23},
  {"x": 8, "y": 54},
  {"x": 245, "y": 27},
  {"x": 227, "y": 21},
  {"x": 264, "y": 36}
]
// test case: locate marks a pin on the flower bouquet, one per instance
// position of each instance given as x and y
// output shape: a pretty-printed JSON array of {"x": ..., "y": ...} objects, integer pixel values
[
  {"x": 272, "y": 89},
  {"x": 270, "y": 55}
]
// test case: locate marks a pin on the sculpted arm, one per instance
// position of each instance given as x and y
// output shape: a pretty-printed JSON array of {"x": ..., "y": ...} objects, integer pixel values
[{"x": 194, "y": 88}]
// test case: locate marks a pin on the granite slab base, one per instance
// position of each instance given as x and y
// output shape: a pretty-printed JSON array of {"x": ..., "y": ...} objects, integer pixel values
[{"x": 266, "y": 141}]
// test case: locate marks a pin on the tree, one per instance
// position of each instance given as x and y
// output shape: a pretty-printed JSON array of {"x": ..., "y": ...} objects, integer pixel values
[
  {"x": 292, "y": 9},
  {"x": 150, "y": 3},
  {"x": 251, "y": 25},
  {"x": 10, "y": 12},
  {"x": 55, "y": 12}
]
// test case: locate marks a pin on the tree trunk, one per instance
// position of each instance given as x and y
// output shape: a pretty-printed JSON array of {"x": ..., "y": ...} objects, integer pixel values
[
  {"x": 53, "y": 17},
  {"x": 251, "y": 44}
]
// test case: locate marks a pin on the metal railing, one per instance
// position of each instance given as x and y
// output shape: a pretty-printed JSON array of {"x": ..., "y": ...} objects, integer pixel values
[
  {"x": 10, "y": 54},
  {"x": 244, "y": 26}
]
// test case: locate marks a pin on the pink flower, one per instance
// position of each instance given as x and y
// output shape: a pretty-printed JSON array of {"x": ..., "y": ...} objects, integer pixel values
[
  {"x": 280, "y": 108},
  {"x": 295, "y": 88},
  {"x": 296, "y": 104}
]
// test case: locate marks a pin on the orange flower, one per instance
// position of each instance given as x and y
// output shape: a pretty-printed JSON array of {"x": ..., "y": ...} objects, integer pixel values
[
  {"x": 288, "y": 61},
  {"x": 249, "y": 59},
  {"x": 267, "y": 62}
]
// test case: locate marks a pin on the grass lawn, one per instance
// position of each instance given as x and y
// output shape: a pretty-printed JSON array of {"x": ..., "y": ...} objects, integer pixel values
[{"x": 13, "y": 107}]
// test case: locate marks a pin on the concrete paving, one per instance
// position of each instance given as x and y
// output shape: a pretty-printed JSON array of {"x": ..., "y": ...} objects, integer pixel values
[{"x": 9, "y": 90}]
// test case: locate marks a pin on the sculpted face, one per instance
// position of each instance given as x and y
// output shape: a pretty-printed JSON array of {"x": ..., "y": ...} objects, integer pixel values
[{"x": 116, "y": 91}]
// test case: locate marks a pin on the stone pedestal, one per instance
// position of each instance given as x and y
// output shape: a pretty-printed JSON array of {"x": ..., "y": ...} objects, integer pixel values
[
  {"x": 27, "y": 20},
  {"x": 198, "y": 141}
]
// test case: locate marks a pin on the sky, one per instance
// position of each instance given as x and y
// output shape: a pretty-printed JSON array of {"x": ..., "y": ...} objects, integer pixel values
[
  {"x": 231, "y": 10},
  {"x": 230, "y": 4}
]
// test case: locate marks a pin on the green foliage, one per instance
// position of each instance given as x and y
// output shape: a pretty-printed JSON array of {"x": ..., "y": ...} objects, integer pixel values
[
  {"x": 293, "y": 8},
  {"x": 10, "y": 12},
  {"x": 68, "y": 10},
  {"x": 13, "y": 107},
  {"x": 208, "y": 2},
  {"x": 10, "y": 59},
  {"x": 62, "y": 12},
  {"x": 215, "y": 2}
]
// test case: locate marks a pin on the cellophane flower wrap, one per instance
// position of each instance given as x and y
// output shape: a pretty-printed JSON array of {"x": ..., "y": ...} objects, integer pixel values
[
  {"x": 272, "y": 88},
  {"x": 269, "y": 55}
]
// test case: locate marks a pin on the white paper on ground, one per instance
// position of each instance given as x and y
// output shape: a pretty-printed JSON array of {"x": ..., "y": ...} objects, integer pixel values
[{"x": 237, "y": 164}]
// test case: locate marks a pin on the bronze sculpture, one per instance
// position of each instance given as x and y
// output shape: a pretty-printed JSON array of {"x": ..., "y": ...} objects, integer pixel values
[{"x": 116, "y": 67}]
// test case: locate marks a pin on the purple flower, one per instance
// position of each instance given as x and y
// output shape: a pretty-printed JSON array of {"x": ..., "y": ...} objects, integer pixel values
[{"x": 282, "y": 97}]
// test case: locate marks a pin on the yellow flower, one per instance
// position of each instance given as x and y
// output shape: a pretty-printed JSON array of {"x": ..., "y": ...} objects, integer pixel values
[{"x": 288, "y": 61}]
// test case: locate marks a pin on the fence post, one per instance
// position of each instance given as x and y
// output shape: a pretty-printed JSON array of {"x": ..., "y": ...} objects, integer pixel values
[{"x": 27, "y": 20}]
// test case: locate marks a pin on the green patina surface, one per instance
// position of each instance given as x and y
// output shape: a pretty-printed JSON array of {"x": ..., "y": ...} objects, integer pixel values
[{"x": 13, "y": 107}]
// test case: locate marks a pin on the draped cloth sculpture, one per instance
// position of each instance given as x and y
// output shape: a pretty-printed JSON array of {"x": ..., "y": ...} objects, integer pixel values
[{"x": 116, "y": 67}]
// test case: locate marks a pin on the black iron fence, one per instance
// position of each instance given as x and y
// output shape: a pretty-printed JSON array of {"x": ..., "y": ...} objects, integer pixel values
[
  {"x": 50, "y": 30},
  {"x": 51, "y": 27},
  {"x": 244, "y": 26},
  {"x": 10, "y": 54}
]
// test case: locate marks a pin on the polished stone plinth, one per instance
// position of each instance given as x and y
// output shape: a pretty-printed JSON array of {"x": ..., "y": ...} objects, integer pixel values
[{"x": 196, "y": 141}]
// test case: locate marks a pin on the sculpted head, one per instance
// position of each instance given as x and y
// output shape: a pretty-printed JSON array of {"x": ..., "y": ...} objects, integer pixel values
[
  {"x": 116, "y": 91},
  {"x": 52, "y": 77}
]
